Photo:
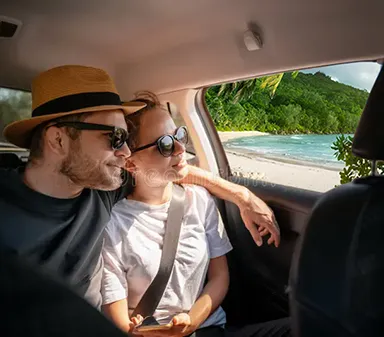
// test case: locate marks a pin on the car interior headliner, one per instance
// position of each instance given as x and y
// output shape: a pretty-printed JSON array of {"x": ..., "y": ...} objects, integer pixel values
[{"x": 169, "y": 45}]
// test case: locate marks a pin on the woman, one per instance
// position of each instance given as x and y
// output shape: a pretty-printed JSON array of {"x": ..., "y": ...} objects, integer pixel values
[{"x": 132, "y": 251}]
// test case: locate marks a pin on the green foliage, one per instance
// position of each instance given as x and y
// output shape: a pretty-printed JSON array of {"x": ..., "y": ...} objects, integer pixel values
[
  {"x": 355, "y": 167},
  {"x": 242, "y": 91},
  {"x": 299, "y": 103},
  {"x": 14, "y": 105},
  {"x": 238, "y": 92},
  {"x": 272, "y": 82}
]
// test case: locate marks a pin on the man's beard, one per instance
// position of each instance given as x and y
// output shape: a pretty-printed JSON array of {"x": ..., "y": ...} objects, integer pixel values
[{"x": 83, "y": 171}]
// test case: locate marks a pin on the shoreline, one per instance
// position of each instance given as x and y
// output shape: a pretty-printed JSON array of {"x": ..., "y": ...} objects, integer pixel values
[
  {"x": 277, "y": 170},
  {"x": 229, "y": 135},
  {"x": 292, "y": 161}
]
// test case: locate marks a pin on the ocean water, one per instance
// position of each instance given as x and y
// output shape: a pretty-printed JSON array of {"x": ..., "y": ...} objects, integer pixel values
[{"x": 315, "y": 149}]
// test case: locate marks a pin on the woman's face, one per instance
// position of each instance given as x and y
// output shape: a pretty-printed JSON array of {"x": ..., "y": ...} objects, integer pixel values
[{"x": 149, "y": 165}]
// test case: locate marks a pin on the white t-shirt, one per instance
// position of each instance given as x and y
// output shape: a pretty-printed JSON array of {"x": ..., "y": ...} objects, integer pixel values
[{"x": 133, "y": 247}]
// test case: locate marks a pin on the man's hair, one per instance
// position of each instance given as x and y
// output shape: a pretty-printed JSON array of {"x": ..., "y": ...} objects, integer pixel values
[
  {"x": 133, "y": 120},
  {"x": 37, "y": 141}
]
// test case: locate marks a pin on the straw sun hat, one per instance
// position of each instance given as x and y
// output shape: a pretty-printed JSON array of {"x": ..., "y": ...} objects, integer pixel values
[{"x": 64, "y": 91}]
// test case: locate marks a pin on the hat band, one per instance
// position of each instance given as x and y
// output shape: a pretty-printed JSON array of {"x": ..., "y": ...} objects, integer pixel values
[{"x": 77, "y": 102}]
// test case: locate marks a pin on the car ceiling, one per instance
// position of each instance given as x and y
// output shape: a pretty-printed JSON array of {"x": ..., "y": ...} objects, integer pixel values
[{"x": 170, "y": 45}]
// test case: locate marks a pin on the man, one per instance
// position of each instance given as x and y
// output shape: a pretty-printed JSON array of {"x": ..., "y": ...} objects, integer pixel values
[{"x": 54, "y": 211}]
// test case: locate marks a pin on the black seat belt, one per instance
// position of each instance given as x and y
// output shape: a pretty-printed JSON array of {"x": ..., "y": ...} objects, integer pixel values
[{"x": 155, "y": 291}]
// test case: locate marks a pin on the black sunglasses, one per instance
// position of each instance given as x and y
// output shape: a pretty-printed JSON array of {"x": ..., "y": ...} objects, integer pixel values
[
  {"x": 166, "y": 144},
  {"x": 118, "y": 136}
]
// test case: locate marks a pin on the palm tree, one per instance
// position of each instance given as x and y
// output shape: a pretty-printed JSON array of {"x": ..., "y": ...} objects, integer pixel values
[
  {"x": 272, "y": 82},
  {"x": 243, "y": 90},
  {"x": 238, "y": 91}
]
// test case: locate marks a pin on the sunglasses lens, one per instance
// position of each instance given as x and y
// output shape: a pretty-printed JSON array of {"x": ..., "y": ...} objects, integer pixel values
[
  {"x": 182, "y": 135},
  {"x": 118, "y": 138},
  {"x": 166, "y": 146}
]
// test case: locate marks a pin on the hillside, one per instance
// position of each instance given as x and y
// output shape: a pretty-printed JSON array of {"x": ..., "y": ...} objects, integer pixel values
[{"x": 309, "y": 103}]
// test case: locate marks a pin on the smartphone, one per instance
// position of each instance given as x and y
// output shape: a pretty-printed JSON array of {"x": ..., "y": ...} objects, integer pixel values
[{"x": 151, "y": 324}]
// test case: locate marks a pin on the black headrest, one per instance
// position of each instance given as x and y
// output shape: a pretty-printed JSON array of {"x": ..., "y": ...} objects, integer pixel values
[
  {"x": 368, "y": 141},
  {"x": 10, "y": 160},
  {"x": 337, "y": 272}
]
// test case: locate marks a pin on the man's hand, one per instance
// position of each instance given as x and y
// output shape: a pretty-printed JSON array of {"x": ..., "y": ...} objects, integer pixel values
[
  {"x": 181, "y": 326},
  {"x": 258, "y": 218}
]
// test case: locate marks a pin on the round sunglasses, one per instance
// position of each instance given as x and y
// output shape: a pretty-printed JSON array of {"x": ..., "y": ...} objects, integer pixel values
[
  {"x": 166, "y": 144},
  {"x": 117, "y": 136}
]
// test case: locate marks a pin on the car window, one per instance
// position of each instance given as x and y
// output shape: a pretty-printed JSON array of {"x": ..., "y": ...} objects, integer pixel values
[
  {"x": 286, "y": 128},
  {"x": 14, "y": 105}
]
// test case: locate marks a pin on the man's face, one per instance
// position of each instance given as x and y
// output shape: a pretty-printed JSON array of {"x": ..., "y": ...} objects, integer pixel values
[{"x": 91, "y": 162}]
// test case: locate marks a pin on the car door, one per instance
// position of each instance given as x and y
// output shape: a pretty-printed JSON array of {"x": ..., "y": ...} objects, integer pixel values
[{"x": 259, "y": 275}]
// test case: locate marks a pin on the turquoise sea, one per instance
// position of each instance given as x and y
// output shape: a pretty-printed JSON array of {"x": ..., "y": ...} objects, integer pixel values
[{"x": 311, "y": 149}]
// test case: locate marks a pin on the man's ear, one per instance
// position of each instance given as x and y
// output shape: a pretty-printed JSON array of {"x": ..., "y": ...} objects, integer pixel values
[
  {"x": 57, "y": 140},
  {"x": 130, "y": 166}
]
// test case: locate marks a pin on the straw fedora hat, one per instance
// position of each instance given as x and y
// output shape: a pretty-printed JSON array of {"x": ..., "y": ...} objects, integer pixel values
[{"x": 67, "y": 90}]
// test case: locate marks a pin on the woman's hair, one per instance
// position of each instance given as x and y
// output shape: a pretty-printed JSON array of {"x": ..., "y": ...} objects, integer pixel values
[{"x": 134, "y": 120}]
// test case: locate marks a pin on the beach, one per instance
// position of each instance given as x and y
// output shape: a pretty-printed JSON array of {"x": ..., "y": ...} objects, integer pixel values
[
  {"x": 229, "y": 135},
  {"x": 276, "y": 170}
]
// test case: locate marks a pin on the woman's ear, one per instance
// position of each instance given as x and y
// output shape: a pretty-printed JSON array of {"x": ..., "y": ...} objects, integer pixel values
[{"x": 130, "y": 166}]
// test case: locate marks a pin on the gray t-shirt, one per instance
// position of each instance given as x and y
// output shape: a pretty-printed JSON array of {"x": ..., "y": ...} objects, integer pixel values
[{"x": 63, "y": 236}]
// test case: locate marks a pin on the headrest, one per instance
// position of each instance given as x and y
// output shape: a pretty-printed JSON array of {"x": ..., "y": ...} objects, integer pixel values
[
  {"x": 368, "y": 141},
  {"x": 337, "y": 272},
  {"x": 10, "y": 160}
]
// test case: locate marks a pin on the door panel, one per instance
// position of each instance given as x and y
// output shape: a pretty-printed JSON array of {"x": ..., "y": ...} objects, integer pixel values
[{"x": 259, "y": 275}]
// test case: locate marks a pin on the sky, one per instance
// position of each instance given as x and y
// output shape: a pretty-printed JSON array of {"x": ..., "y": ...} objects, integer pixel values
[{"x": 360, "y": 75}]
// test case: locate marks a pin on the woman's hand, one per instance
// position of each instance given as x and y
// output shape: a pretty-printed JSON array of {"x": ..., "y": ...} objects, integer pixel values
[
  {"x": 181, "y": 326},
  {"x": 135, "y": 321},
  {"x": 118, "y": 313}
]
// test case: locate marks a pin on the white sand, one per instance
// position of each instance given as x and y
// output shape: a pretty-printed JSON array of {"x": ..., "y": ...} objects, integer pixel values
[
  {"x": 227, "y": 135},
  {"x": 284, "y": 173}
]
